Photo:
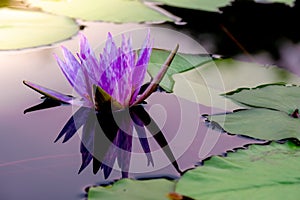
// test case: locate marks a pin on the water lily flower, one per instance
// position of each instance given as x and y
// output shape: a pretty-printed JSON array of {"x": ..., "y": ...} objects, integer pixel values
[
  {"x": 115, "y": 77},
  {"x": 111, "y": 83}
]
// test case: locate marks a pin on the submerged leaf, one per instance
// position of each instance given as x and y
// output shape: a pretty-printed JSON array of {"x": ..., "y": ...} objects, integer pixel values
[
  {"x": 261, "y": 172},
  {"x": 133, "y": 189},
  {"x": 25, "y": 29}
]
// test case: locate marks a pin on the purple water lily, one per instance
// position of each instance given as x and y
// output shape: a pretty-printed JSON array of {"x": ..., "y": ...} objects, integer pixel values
[
  {"x": 117, "y": 71},
  {"x": 115, "y": 77},
  {"x": 112, "y": 82}
]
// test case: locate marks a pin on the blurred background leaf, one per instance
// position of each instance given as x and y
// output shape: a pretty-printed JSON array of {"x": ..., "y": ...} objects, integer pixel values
[
  {"x": 118, "y": 11},
  {"x": 24, "y": 28}
]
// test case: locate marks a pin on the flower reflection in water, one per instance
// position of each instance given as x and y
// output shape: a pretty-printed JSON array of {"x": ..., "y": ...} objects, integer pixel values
[
  {"x": 107, "y": 137},
  {"x": 110, "y": 105}
]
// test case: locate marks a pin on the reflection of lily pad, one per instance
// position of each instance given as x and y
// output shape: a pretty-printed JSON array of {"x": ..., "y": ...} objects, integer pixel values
[
  {"x": 207, "y": 5},
  {"x": 133, "y": 189},
  {"x": 24, "y": 29},
  {"x": 261, "y": 172},
  {"x": 120, "y": 11}
]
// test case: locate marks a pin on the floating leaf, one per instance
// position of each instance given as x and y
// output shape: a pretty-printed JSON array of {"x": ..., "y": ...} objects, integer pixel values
[
  {"x": 274, "y": 96},
  {"x": 119, "y": 11},
  {"x": 278, "y": 121},
  {"x": 206, "y": 5},
  {"x": 133, "y": 189},
  {"x": 261, "y": 172},
  {"x": 24, "y": 29},
  {"x": 204, "y": 84},
  {"x": 262, "y": 124},
  {"x": 181, "y": 63},
  {"x": 236, "y": 74}
]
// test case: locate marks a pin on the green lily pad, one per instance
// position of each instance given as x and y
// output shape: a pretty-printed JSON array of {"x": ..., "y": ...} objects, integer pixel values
[
  {"x": 258, "y": 123},
  {"x": 181, "y": 63},
  {"x": 271, "y": 117},
  {"x": 236, "y": 74},
  {"x": 206, "y": 5},
  {"x": 24, "y": 29},
  {"x": 261, "y": 172},
  {"x": 205, "y": 84},
  {"x": 274, "y": 96},
  {"x": 133, "y": 189},
  {"x": 119, "y": 11}
]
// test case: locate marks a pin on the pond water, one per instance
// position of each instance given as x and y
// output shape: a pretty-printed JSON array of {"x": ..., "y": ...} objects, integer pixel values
[{"x": 32, "y": 166}]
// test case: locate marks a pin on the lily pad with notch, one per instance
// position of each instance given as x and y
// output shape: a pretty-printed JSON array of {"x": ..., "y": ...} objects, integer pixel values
[{"x": 273, "y": 113}]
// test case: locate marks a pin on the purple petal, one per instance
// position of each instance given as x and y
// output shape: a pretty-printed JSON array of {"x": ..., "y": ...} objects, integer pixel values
[
  {"x": 118, "y": 64},
  {"x": 140, "y": 69},
  {"x": 145, "y": 53},
  {"x": 138, "y": 76},
  {"x": 72, "y": 69},
  {"x": 123, "y": 88},
  {"x": 106, "y": 79},
  {"x": 49, "y": 93},
  {"x": 120, "y": 74},
  {"x": 68, "y": 72},
  {"x": 88, "y": 59},
  {"x": 85, "y": 49}
]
